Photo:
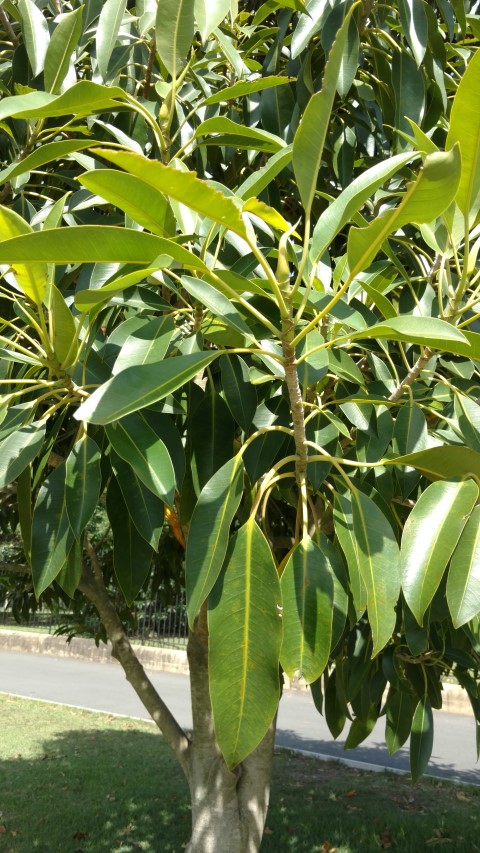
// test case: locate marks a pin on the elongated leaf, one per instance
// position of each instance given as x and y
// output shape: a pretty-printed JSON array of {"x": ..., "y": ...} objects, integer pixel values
[
  {"x": 31, "y": 279},
  {"x": 71, "y": 572},
  {"x": 184, "y": 187},
  {"x": 429, "y": 537},
  {"x": 93, "y": 244},
  {"x": 45, "y": 154},
  {"x": 442, "y": 463},
  {"x": 137, "y": 387},
  {"x": 260, "y": 178},
  {"x": 63, "y": 331},
  {"x": 398, "y": 719},
  {"x": 245, "y": 87},
  {"x": 415, "y": 26},
  {"x": 465, "y": 130},
  {"x": 343, "y": 517},
  {"x": 145, "y": 509},
  {"x": 425, "y": 199},
  {"x": 463, "y": 584},
  {"x": 421, "y": 738},
  {"x": 35, "y": 34},
  {"x": 140, "y": 201},
  {"x": 132, "y": 556},
  {"x": 349, "y": 63},
  {"x": 24, "y": 507},
  {"x": 340, "y": 211},
  {"x": 86, "y": 300},
  {"x": 61, "y": 47},
  {"x": 218, "y": 304},
  {"x": 84, "y": 98},
  {"x": 242, "y": 136},
  {"x": 212, "y": 441},
  {"x": 52, "y": 536},
  {"x": 311, "y": 134},
  {"x": 83, "y": 480},
  {"x": 174, "y": 30},
  {"x": 409, "y": 90},
  {"x": 146, "y": 345},
  {"x": 210, "y": 14},
  {"x": 209, "y": 532},
  {"x": 428, "y": 331},
  {"x": 307, "y": 594},
  {"x": 109, "y": 23},
  {"x": 244, "y": 644},
  {"x": 136, "y": 442},
  {"x": 468, "y": 416},
  {"x": 378, "y": 560},
  {"x": 18, "y": 449},
  {"x": 240, "y": 394}
]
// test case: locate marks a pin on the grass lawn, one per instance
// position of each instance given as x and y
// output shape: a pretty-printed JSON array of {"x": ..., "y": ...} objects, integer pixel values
[{"x": 72, "y": 781}]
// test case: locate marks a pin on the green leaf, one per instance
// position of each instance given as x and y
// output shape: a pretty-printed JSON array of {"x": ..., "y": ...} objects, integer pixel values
[
  {"x": 71, "y": 572},
  {"x": 408, "y": 88},
  {"x": 83, "y": 481},
  {"x": 184, "y": 187},
  {"x": 244, "y": 643},
  {"x": 108, "y": 27},
  {"x": 44, "y": 154},
  {"x": 311, "y": 134},
  {"x": 63, "y": 331},
  {"x": 428, "y": 331},
  {"x": 468, "y": 416},
  {"x": 307, "y": 593},
  {"x": 399, "y": 718},
  {"x": 146, "y": 345},
  {"x": 238, "y": 135},
  {"x": 86, "y": 300},
  {"x": 349, "y": 63},
  {"x": 378, "y": 560},
  {"x": 262, "y": 177},
  {"x": 245, "y": 87},
  {"x": 18, "y": 449},
  {"x": 137, "y": 387},
  {"x": 145, "y": 509},
  {"x": 463, "y": 584},
  {"x": 239, "y": 392},
  {"x": 465, "y": 130},
  {"x": 442, "y": 463},
  {"x": 52, "y": 536},
  {"x": 425, "y": 199},
  {"x": 421, "y": 738},
  {"x": 218, "y": 304},
  {"x": 136, "y": 442},
  {"x": 212, "y": 441},
  {"x": 132, "y": 556},
  {"x": 343, "y": 518},
  {"x": 415, "y": 27},
  {"x": 209, "y": 532},
  {"x": 35, "y": 34},
  {"x": 350, "y": 200},
  {"x": 62, "y": 45},
  {"x": 31, "y": 279},
  {"x": 24, "y": 507},
  {"x": 93, "y": 244},
  {"x": 429, "y": 537},
  {"x": 209, "y": 14},
  {"x": 145, "y": 205},
  {"x": 174, "y": 31},
  {"x": 82, "y": 99}
]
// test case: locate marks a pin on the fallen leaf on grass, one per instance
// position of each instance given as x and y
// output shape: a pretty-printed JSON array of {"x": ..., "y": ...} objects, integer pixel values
[
  {"x": 385, "y": 840},
  {"x": 327, "y": 848},
  {"x": 461, "y": 796},
  {"x": 351, "y": 794},
  {"x": 3, "y": 829},
  {"x": 80, "y": 836}
]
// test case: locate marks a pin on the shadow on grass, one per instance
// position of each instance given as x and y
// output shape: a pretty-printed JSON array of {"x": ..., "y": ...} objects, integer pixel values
[{"x": 94, "y": 792}]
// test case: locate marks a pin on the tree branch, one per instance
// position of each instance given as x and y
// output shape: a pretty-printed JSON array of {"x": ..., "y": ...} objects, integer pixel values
[
  {"x": 92, "y": 585},
  {"x": 413, "y": 374},
  {"x": 15, "y": 568}
]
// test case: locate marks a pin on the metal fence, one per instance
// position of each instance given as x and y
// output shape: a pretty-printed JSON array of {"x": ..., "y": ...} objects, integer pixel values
[{"x": 157, "y": 623}]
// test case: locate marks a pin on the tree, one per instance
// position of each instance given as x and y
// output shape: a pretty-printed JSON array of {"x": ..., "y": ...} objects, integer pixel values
[{"x": 239, "y": 307}]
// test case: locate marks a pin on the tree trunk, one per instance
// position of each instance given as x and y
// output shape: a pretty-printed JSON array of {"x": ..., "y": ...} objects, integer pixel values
[{"x": 229, "y": 808}]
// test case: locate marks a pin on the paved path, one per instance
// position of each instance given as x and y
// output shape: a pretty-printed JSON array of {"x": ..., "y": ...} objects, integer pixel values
[{"x": 103, "y": 687}]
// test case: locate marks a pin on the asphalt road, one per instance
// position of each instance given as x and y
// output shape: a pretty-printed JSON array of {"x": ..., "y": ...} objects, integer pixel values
[{"x": 102, "y": 687}]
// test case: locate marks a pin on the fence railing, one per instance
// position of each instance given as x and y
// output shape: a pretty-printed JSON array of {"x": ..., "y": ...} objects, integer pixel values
[{"x": 157, "y": 623}]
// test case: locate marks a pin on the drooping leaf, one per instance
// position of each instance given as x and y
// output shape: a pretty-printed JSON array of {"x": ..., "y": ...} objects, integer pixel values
[
  {"x": 71, "y": 572},
  {"x": 379, "y": 564},
  {"x": 238, "y": 135},
  {"x": 109, "y": 23},
  {"x": 429, "y": 537},
  {"x": 245, "y": 87},
  {"x": 415, "y": 27},
  {"x": 262, "y": 177},
  {"x": 46, "y": 153},
  {"x": 409, "y": 91},
  {"x": 421, "y": 738},
  {"x": 209, "y": 532},
  {"x": 83, "y": 480},
  {"x": 465, "y": 130},
  {"x": 52, "y": 536},
  {"x": 212, "y": 438},
  {"x": 61, "y": 48},
  {"x": 240, "y": 394},
  {"x": 244, "y": 644},
  {"x": 307, "y": 596},
  {"x": 35, "y": 34},
  {"x": 24, "y": 507},
  {"x": 84, "y": 98},
  {"x": 146, "y": 345},
  {"x": 145, "y": 509},
  {"x": 139, "y": 200},
  {"x": 134, "y": 440},
  {"x": 442, "y": 463},
  {"x": 132, "y": 555},
  {"x": 63, "y": 331},
  {"x": 174, "y": 31},
  {"x": 31, "y": 278},
  {"x": 18, "y": 449},
  {"x": 463, "y": 584},
  {"x": 217, "y": 303},
  {"x": 399, "y": 718},
  {"x": 137, "y": 387},
  {"x": 209, "y": 14},
  {"x": 343, "y": 518}
]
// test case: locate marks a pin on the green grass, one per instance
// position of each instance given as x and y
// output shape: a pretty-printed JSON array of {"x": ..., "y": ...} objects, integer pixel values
[{"x": 76, "y": 782}]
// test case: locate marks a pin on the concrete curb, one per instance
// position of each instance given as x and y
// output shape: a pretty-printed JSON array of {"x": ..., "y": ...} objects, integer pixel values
[{"x": 455, "y": 700}]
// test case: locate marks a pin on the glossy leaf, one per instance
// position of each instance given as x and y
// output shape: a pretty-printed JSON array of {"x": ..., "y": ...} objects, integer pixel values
[
  {"x": 442, "y": 463},
  {"x": 35, "y": 34},
  {"x": 71, "y": 572},
  {"x": 240, "y": 394},
  {"x": 209, "y": 14},
  {"x": 468, "y": 416},
  {"x": 145, "y": 509},
  {"x": 212, "y": 438},
  {"x": 45, "y": 154},
  {"x": 307, "y": 595},
  {"x": 463, "y": 584},
  {"x": 63, "y": 331},
  {"x": 218, "y": 304},
  {"x": 136, "y": 442},
  {"x": 238, "y": 135},
  {"x": 415, "y": 26},
  {"x": 83, "y": 480},
  {"x": 18, "y": 449},
  {"x": 184, "y": 187},
  {"x": 84, "y": 98},
  {"x": 132, "y": 555},
  {"x": 31, "y": 279},
  {"x": 429, "y": 537},
  {"x": 24, "y": 507},
  {"x": 409, "y": 91},
  {"x": 146, "y": 345},
  {"x": 61, "y": 48},
  {"x": 245, "y": 87},
  {"x": 137, "y": 387},
  {"x": 429, "y": 331},
  {"x": 52, "y": 536},
  {"x": 244, "y": 643},
  {"x": 465, "y": 130},
  {"x": 343, "y": 518},
  {"x": 109, "y": 23},
  {"x": 379, "y": 564},
  {"x": 262, "y": 177},
  {"x": 174, "y": 30},
  {"x": 209, "y": 532},
  {"x": 399, "y": 718},
  {"x": 141, "y": 202},
  {"x": 311, "y": 134},
  {"x": 421, "y": 738}
]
